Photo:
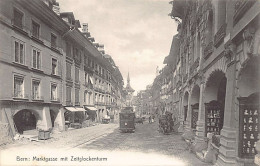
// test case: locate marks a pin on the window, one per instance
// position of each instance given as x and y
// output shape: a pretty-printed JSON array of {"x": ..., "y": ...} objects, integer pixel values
[
  {"x": 53, "y": 41},
  {"x": 36, "y": 59},
  {"x": 76, "y": 74},
  {"x": 85, "y": 60},
  {"x": 35, "y": 30},
  {"x": 76, "y": 96},
  {"x": 35, "y": 89},
  {"x": 68, "y": 71},
  {"x": 86, "y": 79},
  {"x": 89, "y": 62},
  {"x": 18, "y": 18},
  {"x": 54, "y": 92},
  {"x": 68, "y": 95},
  {"x": 18, "y": 86},
  {"x": 54, "y": 66},
  {"x": 19, "y": 51}
]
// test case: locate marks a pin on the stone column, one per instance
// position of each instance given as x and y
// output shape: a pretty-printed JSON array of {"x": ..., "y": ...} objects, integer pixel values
[
  {"x": 60, "y": 119},
  {"x": 45, "y": 122},
  {"x": 188, "y": 133},
  {"x": 227, "y": 150},
  {"x": 200, "y": 141}
]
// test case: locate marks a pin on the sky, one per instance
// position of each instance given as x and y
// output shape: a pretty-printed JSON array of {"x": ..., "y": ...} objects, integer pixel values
[{"x": 136, "y": 33}]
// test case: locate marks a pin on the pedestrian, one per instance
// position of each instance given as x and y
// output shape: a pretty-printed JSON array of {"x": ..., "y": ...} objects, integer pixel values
[{"x": 149, "y": 119}]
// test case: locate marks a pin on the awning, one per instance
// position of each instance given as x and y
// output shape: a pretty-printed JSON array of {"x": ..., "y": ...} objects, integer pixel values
[
  {"x": 75, "y": 109},
  {"x": 91, "y": 108},
  {"x": 72, "y": 109},
  {"x": 80, "y": 109}
]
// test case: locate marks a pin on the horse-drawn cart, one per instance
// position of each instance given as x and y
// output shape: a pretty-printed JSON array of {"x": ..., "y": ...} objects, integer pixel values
[{"x": 166, "y": 123}]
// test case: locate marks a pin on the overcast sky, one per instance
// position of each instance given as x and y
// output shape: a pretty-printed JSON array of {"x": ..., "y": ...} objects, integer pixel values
[{"x": 136, "y": 33}]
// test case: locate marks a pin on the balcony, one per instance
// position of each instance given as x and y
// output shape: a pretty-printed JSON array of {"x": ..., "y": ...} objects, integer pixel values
[
  {"x": 219, "y": 37},
  {"x": 241, "y": 7},
  {"x": 208, "y": 50}
]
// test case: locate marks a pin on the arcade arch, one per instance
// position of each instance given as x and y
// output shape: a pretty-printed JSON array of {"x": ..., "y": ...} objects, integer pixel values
[
  {"x": 214, "y": 97},
  {"x": 25, "y": 120}
]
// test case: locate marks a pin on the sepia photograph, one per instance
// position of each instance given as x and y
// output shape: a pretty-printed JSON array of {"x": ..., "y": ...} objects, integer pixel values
[{"x": 129, "y": 82}]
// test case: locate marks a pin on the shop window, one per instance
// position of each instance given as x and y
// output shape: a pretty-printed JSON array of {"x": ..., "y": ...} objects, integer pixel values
[
  {"x": 19, "y": 51},
  {"x": 35, "y": 30},
  {"x": 36, "y": 89},
  {"x": 18, "y": 86},
  {"x": 36, "y": 58},
  {"x": 18, "y": 19}
]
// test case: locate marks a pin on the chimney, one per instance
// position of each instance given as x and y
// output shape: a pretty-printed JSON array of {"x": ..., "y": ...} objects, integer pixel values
[
  {"x": 85, "y": 27},
  {"x": 56, "y": 8}
]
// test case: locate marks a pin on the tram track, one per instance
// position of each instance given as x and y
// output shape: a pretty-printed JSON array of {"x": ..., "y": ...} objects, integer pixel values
[{"x": 99, "y": 134}]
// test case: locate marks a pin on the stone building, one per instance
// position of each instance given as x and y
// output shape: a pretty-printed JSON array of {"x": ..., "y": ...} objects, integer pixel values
[
  {"x": 53, "y": 71},
  {"x": 219, "y": 65},
  {"x": 31, "y": 65}
]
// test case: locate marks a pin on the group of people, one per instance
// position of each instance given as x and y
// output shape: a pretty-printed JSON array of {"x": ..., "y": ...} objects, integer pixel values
[{"x": 151, "y": 119}]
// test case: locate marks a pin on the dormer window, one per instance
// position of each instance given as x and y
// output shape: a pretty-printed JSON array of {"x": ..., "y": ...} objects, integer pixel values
[
  {"x": 18, "y": 18},
  {"x": 35, "y": 30}
]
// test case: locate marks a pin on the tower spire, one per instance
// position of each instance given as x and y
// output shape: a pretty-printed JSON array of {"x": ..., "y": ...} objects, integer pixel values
[{"x": 128, "y": 78}]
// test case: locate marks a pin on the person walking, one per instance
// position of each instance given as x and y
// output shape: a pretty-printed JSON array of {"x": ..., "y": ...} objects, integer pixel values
[{"x": 149, "y": 119}]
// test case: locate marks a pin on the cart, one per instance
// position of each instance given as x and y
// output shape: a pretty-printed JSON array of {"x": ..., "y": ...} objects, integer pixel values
[{"x": 166, "y": 123}]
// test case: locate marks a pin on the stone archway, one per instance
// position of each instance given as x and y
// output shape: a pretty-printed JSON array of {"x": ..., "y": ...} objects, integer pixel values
[
  {"x": 25, "y": 120},
  {"x": 214, "y": 98}
]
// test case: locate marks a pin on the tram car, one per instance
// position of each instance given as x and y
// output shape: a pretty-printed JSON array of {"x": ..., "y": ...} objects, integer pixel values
[{"x": 127, "y": 120}]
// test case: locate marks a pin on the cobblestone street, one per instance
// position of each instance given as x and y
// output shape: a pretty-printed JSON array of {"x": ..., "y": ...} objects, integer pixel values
[{"x": 146, "y": 140}]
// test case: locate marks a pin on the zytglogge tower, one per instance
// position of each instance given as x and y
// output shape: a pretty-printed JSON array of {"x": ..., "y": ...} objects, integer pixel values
[{"x": 129, "y": 91}]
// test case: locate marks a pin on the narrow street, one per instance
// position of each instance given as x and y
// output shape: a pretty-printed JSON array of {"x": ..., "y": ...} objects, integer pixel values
[{"x": 146, "y": 141}]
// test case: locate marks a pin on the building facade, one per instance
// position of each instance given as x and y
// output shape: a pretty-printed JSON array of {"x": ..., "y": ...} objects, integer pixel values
[
  {"x": 219, "y": 69},
  {"x": 53, "y": 71}
]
